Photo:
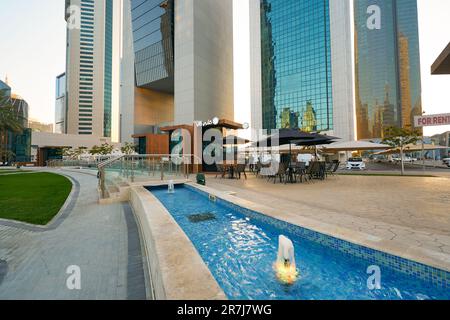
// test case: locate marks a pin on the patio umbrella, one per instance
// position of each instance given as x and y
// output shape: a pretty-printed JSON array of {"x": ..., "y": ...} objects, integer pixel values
[
  {"x": 234, "y": 140},
  {"x": 355, "y": 146},
  {"x": 318, "y": 140},
  {"x": 294, "y": 136},
  {"x": 284, "y": 136},
  {"x": 314, "y": 142}
]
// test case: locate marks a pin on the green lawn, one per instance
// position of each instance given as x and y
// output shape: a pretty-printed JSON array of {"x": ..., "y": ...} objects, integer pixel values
[{"x": 34, "y": 198}]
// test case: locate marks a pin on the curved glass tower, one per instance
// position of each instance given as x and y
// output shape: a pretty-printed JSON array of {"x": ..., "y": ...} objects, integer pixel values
[
  {"x": 153, "y": 35},
  {"x": 387, "y": 67}
]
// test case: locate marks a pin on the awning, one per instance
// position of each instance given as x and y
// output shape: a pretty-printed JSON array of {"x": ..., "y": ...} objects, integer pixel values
[
  {"x": 442, "y": 63},
  {"x": 354, "y": 146},
  {"x": 414, "y": 148}
]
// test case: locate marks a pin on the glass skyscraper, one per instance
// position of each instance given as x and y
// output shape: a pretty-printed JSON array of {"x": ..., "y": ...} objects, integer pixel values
[
  {"x": 90, "y": 68},
  {"x": 296, "y": 65},
  {"x": 60, "y": 104},
  {"x": 153, "y": 42},
  {"x": 107, "y": 107},
  {"x": 387, "y": 66}
]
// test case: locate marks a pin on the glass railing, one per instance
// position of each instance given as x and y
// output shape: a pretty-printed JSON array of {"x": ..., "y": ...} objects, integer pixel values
[
  {"x": 91, "y": 162},
  {"x": 129, "y": 169}
]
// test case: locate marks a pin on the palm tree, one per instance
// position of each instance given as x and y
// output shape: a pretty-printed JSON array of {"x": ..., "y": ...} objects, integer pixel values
[
  {"x": 9, "y": 122},
  {"x": 8, "y": 118}
]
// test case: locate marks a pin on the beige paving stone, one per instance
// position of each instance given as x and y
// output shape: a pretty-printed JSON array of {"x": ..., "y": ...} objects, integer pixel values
[{"x": 404, "y": 211}]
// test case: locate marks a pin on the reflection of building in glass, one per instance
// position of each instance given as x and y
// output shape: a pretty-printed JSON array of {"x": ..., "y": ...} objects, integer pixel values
[
  {"x": 296, "y": 60},
  {"x": 289, "y": 119},
  {"x": 405, "y": 82},
  {"x": 153, "y": 34},
  {"x": 306, "y": 65},
  {"x": 16, "y": 146},
  {"x": 387, "y": 66},
  {"x": 60, "y": 104},
  {"x": 177, "y": 64},
  {"x": 309, "y": 118},
  {"x": 268, "y": 77}
]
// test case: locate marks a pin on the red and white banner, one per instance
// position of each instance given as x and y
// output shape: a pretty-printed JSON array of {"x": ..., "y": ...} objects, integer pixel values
[{"x": 432, "y": 120}]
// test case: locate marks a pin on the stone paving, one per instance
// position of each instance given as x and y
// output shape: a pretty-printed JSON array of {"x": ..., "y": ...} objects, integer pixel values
[
  {"x": 411, "y": 210},
  {"x": 102, "y": 240}
]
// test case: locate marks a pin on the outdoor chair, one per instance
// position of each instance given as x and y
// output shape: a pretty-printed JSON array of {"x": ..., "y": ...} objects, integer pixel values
[
  {"x": 257, "y": 169},
  {"x": 240, "y": 169},
  {"x": 220, "y": 171},
  {"x": 280, "y": 173},
  {"x": 316, "y": 170},
  {"x": 300, "y": 171},
  {"x": 334, "y": 168}
]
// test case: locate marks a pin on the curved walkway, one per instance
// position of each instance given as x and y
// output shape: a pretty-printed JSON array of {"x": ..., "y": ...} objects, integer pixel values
[{"x": 102, "y": 240}]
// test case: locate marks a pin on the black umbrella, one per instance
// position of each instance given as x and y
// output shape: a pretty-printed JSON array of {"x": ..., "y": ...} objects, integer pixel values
[
  {"x": 313, "y": 142},
  {"x": 234, "y": 140},
  {"x": 318, "y": 139},
  {"x": 297, "y": 137},
  {"x": 283, "y": 137}
]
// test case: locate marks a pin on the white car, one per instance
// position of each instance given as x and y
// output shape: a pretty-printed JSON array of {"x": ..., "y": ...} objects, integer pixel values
[
  {"x": 446, "y": 161},
  {"x": 406, "y": 159},
  {"x": 356, "y": 164}
]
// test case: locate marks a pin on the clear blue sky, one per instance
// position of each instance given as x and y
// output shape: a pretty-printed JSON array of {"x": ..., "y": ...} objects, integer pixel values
[{"x": 32, "y": 51}]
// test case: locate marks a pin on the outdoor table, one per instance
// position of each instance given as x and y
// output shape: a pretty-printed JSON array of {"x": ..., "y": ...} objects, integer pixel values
[
  {"x": 292, "y": 168},
  {"x": 230, "y": 167}
]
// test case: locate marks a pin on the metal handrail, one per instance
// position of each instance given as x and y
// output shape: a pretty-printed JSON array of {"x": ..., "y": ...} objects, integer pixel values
[{"x": 128, "y": 169}]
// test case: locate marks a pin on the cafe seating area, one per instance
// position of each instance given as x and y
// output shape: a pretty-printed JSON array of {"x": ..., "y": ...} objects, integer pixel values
[{"x": 295, "y": 172}]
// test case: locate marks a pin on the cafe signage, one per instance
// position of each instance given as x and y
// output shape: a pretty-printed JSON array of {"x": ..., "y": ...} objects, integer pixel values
[{"x": 213, "y": 122}]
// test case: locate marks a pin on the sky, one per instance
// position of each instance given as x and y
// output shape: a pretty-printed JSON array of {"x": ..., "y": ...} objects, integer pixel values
[
  {"x": 32, "y": 54},
  {"x": 33, "y": 51}
]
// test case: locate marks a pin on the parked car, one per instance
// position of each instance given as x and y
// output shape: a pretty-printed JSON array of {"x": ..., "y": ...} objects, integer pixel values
[
  {"x": 446, "y": 161},
  {"x": 356, "y": 164},
  {"x": 405, "y": 159}
]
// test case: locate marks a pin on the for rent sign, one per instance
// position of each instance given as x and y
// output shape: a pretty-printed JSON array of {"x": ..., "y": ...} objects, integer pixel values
[{"x": 432, "y": 120}]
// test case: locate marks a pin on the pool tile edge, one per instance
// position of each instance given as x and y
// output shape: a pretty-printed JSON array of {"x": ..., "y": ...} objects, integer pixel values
[
  {"x": 384, "y": 248},
  {"x": 176, "y": 268}
]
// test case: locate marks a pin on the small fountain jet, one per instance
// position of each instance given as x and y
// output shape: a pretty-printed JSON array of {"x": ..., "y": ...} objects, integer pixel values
[
  {"x": 171, "y": 188},
  {"x": 285, "y": 266}
]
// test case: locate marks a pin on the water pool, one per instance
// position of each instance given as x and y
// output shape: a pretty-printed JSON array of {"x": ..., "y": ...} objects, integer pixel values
[{"x": 240, "y": 250}]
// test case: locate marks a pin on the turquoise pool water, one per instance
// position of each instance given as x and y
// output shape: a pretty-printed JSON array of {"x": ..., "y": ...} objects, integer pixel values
[{"x": 240, "y": 250}]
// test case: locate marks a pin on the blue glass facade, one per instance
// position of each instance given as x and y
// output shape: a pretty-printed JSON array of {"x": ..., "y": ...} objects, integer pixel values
[
  {"x": 153, "y": 33},
  {"x": 5, "y": 88},
  {"x": 15, "y": 146},
  {"x": 387, "y": 66},
  {"x": 107, "y": 118},
  {"x": 60, "y": 104},
  {"x": 296, "y": 65}
]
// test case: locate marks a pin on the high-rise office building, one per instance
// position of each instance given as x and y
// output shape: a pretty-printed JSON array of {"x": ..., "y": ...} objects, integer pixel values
[
  {"x": 387, "y": 65},
  {"x": 90, "y": 66},
  {"x": 5, "y": 88},
  {"x": 15, "y": 146},
  {"x": 60, "y": 104},
  {"x": 306, "y": 66},
  {"x": 177, "y": 63}
]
